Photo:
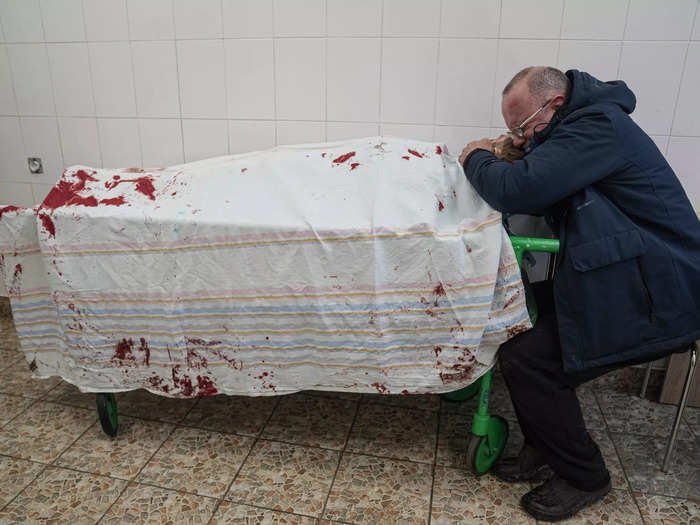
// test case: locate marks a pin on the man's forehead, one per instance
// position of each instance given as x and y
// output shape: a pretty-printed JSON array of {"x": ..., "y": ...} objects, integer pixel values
[{"x": 516, "y": 102}]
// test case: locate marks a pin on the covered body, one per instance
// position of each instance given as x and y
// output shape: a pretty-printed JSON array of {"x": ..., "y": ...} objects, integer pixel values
[{"x": 367, "y": 265}]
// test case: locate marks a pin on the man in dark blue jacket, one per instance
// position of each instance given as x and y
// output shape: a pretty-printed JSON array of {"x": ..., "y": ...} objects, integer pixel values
[{"x": 627, "y": 284}]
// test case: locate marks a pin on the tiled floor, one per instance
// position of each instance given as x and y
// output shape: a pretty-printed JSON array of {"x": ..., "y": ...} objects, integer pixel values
[{"x": 309, "y": 458}]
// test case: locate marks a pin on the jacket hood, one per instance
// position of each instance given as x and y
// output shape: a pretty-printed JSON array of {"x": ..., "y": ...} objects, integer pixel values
[{"x": 587, "y": 90}]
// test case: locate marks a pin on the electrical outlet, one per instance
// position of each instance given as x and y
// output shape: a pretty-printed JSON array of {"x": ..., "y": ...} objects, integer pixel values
[{"x": 35, "y": 165}]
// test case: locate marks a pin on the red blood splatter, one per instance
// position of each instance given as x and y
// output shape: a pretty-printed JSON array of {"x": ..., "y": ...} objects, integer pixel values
[
  {"x": 323, "y": 155},
  {"x": 432, "y": 314},
  {"x": 146, "y": 352},
  {"x": 343, "y": 158},
  {"x": 131, "y": 170},
  {"x": 66, "y": 193},
  {"x": 380, "y": 388},
  {"x": 415, "y": 153},
  {"x": 237, "y": 365},
  {"x": 123, "y": 352},
  {"x": 469, "y": 250},
  {"x": 157, "y": 382},
  {"x": 404, "y": 392},
  {"x": 8, "y": 209},
  {"x": 438, "y": 150},
  {"x": 205, "y": 386},
  {"x": 184, "y": 383},
  {"x": 372, "y": 317},
  {"x": 116, "y": 201},
  {"x": 173, "y": 194},
  {"x": 462, "y": 371},
  {"x": 437, "y": 350},
  {"x": 441, "y": 206},
  {"x": 194, "y": 360},
  {"x": 18, "y": 269},
  {"x": 354, "y": 165},
  {"x": 200, "y": 342},
  {"x": 244, "y": 170},
  {"x": 512, "y": 331},
  {"x": 423, "y": 300},
  {"x": 406, "y": 157},
  {"x": 143, "y": 185},
  {"x": 440, "y": 290},
  {"x": 512, "y": 299}
]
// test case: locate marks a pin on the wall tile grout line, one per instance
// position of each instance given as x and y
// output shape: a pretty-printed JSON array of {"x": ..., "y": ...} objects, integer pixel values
[
  {"x": 133, "y": 86},
  {"x": 622, "y": 40}
]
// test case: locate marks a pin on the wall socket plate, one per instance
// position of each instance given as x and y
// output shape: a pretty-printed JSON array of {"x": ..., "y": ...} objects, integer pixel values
[{"x": 35, "y": 165}]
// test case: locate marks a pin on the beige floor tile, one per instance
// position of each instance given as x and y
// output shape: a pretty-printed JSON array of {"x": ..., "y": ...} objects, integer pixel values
[
  {"x": 316, "y": 421},
  {"x": 662, "y": 510},
  {"x": 17, "y": 380},
  {"x": 237, "y": 414},
  {"x": 44, "y": 430},
  {"x": 143, "y": 404},
  {"x": 10, "y": 406},
  {"x": 285, "y": 477},
  {"x": 8, "y": 357},
  {"x": 121, "y": 456},
  {"x": 198, "y": 461},
  {"x": 235, "y": 514},
  {"x": 68, "y": 394},
  {"x": 373, "y": 490},
  {"x": 15, "y": 474},
  {"x": 617, "y": 507},
  {"x": 144, "y": 504},
  {"x": 399, "y": 433},
  {"x": 460, "y": 497},
  {"x": 63, "y": 496}
]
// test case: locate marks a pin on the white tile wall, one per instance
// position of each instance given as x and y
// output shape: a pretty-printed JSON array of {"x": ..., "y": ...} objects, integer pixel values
[
  {"x": 63, "y": 20},
  {"x": 70, "y": 77},
  {"x": 150, "y": 82}
]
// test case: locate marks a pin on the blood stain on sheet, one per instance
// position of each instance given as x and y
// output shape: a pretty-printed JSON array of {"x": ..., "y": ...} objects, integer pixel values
[
  {"x": 462, "y": 371},
  {"x": 16, "y": 281},
  {"x": 382, "y": 389},
  {"x": 469, "y": 250},
  {"x": 66, "y": 193},
  {"x": 123, "y": 352},
  {"x": 323, "y": 155},
  {"x": 8, "y": 209},
  {"x": 415, "y": 153},
  {"x": 437, "y": 350},
  {"x": 146, "y": 352},
  {"x": 195, "y": 360},
  {"x": 205, "y": 386},
  {"x": 143, "y": 185},
  {"x": 243, "y": 170},
  {"x": 116, "y": 201},
  {"x": 404, "y": 392},
  {"x": 200, "y": 342},
  {"x": 133, "y": 170},
  {"x": 512, "y": 299},
  {"x": 157, "y": 382},
  {"x": 406, "y": 157},
  {"x": 512, "y": 331},
  {"x": 354, "y": 165},
  {"x": 372, "y": 317},
  {"x": 438, "y": 150},
  {"x": 440, "y": 290},
  {"x": 236, "y": 365},
  {"x": 441, "y": 206},
  {"x": 343, "y": 158},
  {"x": 184, "y": 383}
]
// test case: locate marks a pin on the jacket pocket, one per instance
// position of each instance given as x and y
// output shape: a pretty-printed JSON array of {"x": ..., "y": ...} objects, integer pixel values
[{"x": 607, "y": 250}]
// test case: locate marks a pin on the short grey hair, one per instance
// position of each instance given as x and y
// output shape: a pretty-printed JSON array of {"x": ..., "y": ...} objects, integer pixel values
[{"x": 541, "y": 81}]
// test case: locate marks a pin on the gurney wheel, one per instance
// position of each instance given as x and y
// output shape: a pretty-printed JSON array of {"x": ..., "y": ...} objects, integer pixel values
[
  {"x": 483, "y": 451},
  {"x": 107, "y": 410}
]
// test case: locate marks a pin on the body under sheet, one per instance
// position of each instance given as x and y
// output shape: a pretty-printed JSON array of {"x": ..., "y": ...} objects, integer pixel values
[{"x": 365, "y": 265}]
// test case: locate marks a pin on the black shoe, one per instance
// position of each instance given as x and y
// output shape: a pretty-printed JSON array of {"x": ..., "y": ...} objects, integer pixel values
[
  {"x": 528, "y": 466},
  {"x": 556, "y": 499}
]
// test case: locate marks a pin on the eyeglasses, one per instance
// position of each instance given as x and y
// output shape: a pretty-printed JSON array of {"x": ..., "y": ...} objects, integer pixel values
[{"x": 519, "y": 131}]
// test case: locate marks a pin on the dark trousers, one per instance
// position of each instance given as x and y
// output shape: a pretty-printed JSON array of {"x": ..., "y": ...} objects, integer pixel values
[{"x": 545, "y": 400}]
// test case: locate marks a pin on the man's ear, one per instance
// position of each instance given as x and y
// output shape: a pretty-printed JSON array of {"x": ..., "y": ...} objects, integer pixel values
[{"x": 558, "y": 102}]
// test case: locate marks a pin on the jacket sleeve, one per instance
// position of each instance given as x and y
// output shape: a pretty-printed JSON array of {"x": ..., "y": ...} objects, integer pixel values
[{"x": 574, "y": 156}]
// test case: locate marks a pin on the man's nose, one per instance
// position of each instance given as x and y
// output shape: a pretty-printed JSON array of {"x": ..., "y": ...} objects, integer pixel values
[{"x": 519, "y": 141}]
